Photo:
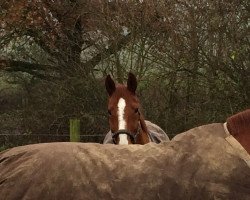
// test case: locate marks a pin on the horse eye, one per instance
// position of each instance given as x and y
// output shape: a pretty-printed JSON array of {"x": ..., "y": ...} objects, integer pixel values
[
  {"x": 136, "y": 110},
  {"x": 109, "y": 112}
]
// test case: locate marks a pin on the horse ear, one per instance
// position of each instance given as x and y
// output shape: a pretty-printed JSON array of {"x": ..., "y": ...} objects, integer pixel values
[
  {"x": 131, "y": 83},
  {"x": 110, "y": 85}
]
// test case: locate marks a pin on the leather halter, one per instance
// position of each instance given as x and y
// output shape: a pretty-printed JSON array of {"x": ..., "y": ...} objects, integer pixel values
[{"x": 132, "y": 136}]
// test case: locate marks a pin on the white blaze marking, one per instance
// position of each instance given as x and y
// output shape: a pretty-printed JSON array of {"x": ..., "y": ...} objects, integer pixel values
[{"x": 121, "y": 121}]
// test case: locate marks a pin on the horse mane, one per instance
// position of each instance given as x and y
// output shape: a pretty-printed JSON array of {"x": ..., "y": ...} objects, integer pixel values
[{"x": 239, "y": 123}]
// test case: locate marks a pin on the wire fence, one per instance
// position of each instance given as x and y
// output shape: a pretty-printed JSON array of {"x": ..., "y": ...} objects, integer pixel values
[{"x": 13, "y": 140}]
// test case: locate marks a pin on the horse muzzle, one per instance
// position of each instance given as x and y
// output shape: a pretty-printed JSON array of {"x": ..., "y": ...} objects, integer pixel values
[{"x": 132, "y": 136}]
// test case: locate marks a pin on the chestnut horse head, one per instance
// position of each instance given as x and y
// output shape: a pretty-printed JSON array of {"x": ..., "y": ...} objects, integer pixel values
[
  {"x": 238, "y": 126},
  {"x": 127, "y": 124}
]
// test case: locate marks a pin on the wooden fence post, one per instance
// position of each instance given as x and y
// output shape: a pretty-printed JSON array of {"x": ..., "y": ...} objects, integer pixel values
[{"x": 74, "y": 130}]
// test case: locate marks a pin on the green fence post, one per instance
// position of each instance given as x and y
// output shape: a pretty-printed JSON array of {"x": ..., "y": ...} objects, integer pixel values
[{"x": 74, "y": 130}]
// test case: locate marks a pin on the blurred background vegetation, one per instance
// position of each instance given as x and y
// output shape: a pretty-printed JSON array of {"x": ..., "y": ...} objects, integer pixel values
[{"x": 191, "y": 59}]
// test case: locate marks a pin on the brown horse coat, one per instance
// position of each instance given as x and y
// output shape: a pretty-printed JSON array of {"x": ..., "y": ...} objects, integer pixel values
[
  {"x": 197, "y": 164},
  {"x": 157, "y": 135}
]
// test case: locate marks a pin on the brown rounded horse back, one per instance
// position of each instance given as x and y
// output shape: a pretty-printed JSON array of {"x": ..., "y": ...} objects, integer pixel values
[{"x": 239, "y": 126}]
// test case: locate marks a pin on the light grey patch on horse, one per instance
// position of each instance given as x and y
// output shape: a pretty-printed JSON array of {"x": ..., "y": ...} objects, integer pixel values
[
  {"x": 108, "y": 139},
  {"x": 157, "y": 135}
]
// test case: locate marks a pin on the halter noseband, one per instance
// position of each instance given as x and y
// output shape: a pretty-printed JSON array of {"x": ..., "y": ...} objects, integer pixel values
[{"x": 133, "y": 137}]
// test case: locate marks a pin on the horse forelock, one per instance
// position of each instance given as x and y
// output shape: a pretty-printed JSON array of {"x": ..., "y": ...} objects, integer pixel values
[
  {"x": 239, "y": 123},
  {"x": 122, "y": 92}
]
